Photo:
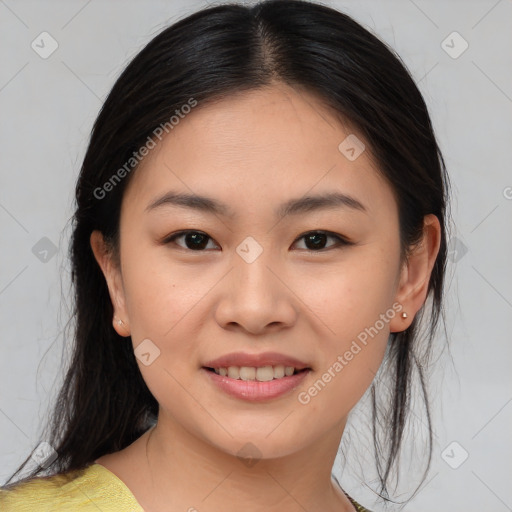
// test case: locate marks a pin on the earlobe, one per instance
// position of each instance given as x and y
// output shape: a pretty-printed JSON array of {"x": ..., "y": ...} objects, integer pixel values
[
  {"x": 113, "y": 279},
  {"x": 401, "y": 320},
  {"x": 415, "y": 274}
]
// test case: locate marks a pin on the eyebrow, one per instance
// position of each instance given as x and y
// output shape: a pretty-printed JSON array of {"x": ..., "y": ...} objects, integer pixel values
[{"x": 327, "y": 201}]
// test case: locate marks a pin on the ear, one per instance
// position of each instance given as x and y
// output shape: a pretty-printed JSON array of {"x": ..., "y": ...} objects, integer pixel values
[
  {"x": 415, "y": 274},
  {"x": 114, "y": 280}
]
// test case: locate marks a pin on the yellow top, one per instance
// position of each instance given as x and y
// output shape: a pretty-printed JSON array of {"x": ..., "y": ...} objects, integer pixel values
[{"x": 93, "y": 489}]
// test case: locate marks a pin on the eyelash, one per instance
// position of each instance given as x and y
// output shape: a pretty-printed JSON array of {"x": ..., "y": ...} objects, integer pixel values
[{"x": 341, "y": 241}]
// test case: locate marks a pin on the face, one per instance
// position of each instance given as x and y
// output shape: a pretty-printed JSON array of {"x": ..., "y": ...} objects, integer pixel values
[{"x": 317, "y": 288}]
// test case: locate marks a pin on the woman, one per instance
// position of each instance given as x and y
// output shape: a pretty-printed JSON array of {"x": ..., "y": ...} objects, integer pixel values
[{"x": 260, "y": 224}]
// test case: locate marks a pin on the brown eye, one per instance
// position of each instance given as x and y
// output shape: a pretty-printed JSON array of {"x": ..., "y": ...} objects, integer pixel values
[
  {"x": 316, "y": 240},
  {"x": 193, "y": 240}
]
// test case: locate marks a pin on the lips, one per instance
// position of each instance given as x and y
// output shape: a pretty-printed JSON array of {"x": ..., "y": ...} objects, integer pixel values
[
  {"x": 242, "y": 359},
  {"x": 256, "y": 377},
  {"x": 254, "y": 390}
]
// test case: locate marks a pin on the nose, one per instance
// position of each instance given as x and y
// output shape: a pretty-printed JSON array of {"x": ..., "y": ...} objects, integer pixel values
[{"x": 256, "y": 297}]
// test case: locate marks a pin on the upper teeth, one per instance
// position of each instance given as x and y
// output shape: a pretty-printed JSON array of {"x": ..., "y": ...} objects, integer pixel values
[{"x": 262, "y": 374}]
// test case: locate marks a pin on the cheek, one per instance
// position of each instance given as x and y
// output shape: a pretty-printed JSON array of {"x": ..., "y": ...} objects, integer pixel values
[
  {"x": 352, "y": 296},
  {"x": 349, "y": 356},
  {"x": 356, "y": 305},
  {"x": 162, "y": 306},
  {"x": 159, "y": 295}
]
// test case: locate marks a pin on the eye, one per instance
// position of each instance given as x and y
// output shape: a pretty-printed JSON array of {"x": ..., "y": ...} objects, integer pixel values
[
  {"x": 314, "y": 240},
  {"x": 194, "y": 240}
]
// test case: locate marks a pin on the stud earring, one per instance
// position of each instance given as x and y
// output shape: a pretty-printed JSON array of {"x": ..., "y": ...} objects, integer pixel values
[
  {"x": 404, "y": 315},
  {"x": 120, "y": 322}
]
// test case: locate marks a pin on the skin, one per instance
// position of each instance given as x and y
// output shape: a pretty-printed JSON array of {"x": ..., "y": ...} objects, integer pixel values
[{"x": 252, "y": 152}]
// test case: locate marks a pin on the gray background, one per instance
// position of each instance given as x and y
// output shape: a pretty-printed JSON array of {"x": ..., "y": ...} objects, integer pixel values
[{"x": 47, "y": 110}]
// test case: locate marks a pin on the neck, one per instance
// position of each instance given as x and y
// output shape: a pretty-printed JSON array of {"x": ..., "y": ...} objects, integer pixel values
[{"x": 184, "y": 472}]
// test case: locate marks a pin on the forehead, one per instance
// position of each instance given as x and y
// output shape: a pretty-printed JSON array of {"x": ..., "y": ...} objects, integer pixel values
[{"x": 253, "y": 148}]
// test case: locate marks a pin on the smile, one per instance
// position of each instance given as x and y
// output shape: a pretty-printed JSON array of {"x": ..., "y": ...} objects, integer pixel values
[
  {"x": 256, "y": 384},
  {"x": 260, "y": 374}
]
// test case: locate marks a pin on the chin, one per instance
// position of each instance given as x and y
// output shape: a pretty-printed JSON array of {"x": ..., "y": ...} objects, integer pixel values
[{"x": 258, "y": 445}]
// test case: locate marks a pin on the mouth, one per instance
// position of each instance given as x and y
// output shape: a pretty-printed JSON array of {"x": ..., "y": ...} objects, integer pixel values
[
  {"x": 256, "y": 383},
  {"x": 256, "y": 377},
  {"x": 257, "y": 373}
]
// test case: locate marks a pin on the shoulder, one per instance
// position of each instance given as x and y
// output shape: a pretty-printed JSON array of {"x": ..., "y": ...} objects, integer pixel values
[{"x": 93, "y": 488}]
